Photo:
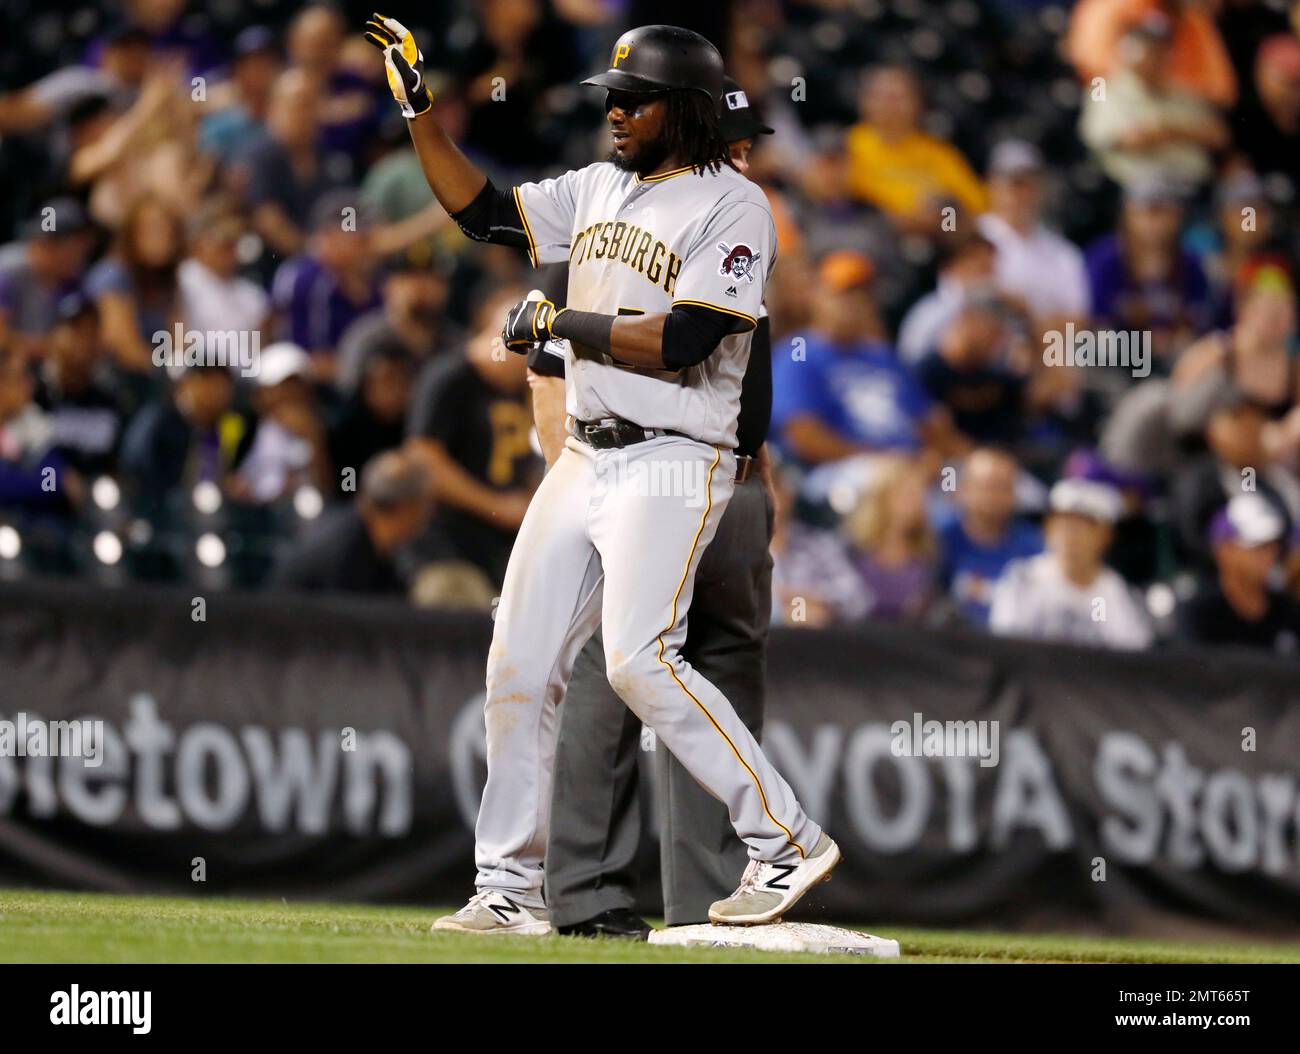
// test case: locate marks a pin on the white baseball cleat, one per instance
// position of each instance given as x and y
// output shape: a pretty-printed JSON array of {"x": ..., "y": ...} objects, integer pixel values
[
  {"x": 494, "y": 911},
  {"x": 768, "y": 891}
]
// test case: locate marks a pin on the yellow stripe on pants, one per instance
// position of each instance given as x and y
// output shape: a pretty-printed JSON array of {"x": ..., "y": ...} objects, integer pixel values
[{"x": 672, "y": 621}]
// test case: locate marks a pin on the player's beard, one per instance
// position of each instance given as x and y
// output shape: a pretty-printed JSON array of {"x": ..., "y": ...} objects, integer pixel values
[{"x": 649, "y": 156}]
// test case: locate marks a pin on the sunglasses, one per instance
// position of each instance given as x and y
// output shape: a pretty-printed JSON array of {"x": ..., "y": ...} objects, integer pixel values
[{"x": 629, "y": 102}]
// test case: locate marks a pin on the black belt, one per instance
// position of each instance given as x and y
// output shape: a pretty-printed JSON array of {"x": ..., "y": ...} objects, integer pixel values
[{"x": 613, "y": 433}]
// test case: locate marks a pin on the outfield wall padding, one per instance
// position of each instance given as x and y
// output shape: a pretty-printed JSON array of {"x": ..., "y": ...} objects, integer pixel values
[{"x": 332, "y": 749}]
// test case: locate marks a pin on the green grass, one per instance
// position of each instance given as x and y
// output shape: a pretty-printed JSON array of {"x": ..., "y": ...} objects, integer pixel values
[{"x": 81, "y": 927}]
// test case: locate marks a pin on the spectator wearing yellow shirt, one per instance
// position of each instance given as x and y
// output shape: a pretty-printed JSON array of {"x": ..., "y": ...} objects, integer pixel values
[{"x": 896, "y": 166}]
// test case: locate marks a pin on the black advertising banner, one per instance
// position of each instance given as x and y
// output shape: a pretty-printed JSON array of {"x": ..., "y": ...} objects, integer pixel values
[
  {"x": 333, "y": 750},
  {"x": 1133, "y": 792}
]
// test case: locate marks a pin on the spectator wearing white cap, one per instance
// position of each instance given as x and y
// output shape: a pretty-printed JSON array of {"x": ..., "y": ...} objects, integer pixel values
[
  {"x": 1035, "y": 265},
  {"x": 1067, "y": 593},
  {"x": 289, "y": 447},
  {"x": 1242, "y": 605}
]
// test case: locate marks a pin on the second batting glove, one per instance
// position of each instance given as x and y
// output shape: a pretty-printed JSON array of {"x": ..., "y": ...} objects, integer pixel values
[
  {"x": 403, "y": 63},
  {"x": 528, "y": 323}
]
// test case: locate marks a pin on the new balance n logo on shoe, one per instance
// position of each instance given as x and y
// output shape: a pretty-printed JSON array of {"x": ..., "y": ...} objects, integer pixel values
[
  {"x": 506, "y": 908},
  {"x": 775, "y": 881}
]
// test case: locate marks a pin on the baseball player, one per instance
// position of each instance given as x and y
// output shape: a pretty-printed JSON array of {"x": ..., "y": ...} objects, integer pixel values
[
  {"x": 668, "y": 249},
  {"x": 591, "y": 854}
]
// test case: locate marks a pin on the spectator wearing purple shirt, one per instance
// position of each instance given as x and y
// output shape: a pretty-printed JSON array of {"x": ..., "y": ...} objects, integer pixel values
[
  {"x": 351, "y": 108},
  {"x": 319, "y": 294},
  {"x": 28, "y": 460},
  {"x": 895, "y": 547},
  {"x": 1142, "y": 280},
  {"x": 165, "y": 25}
]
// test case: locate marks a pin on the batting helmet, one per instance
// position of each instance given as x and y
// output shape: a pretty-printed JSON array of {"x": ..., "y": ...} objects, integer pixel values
[{"x": 662, "y": 58}]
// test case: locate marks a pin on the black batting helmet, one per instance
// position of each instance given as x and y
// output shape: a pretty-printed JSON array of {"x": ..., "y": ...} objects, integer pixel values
[{"x": 662, "y": 58}]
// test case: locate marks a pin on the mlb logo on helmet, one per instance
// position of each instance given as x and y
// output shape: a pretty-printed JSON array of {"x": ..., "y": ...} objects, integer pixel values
[{"x": 737, "y": 100}]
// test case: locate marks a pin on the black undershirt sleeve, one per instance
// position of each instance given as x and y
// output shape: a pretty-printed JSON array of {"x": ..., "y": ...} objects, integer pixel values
[
  {"x": 493, "y": 216},
  {"x": 692, "y": 332},
  {"x": 756, "y": 393}
]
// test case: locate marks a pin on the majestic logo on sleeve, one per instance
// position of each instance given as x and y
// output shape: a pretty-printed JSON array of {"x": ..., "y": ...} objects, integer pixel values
[{"x": 738, "y": 261}]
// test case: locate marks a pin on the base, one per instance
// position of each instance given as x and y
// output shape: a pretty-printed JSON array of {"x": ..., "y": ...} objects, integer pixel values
[{"x": 781, "y": 937}]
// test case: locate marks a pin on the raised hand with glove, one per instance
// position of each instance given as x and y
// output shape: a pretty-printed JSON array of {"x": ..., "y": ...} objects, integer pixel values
[
  {"x": 403, "y": 62},
  {"x": 461, "y": 187}
]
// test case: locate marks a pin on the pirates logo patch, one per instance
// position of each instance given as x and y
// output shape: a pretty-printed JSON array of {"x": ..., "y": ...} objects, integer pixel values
[{"x": 738, "y": 261}]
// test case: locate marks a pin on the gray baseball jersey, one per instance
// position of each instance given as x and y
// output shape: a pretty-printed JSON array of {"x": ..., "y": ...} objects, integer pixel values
[{"x": 639, "y": 246}]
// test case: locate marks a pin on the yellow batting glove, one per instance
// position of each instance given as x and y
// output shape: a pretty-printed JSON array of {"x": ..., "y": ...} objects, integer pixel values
[
  {"x": 403, "y": 63},
  {"x": 528, "y": 322}
]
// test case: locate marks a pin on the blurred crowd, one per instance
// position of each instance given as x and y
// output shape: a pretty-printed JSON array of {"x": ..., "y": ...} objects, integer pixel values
[{"x": 1033, "y": 321}]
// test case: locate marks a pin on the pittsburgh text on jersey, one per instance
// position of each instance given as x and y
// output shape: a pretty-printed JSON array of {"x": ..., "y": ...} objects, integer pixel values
[{"x": 629, "y": 244}]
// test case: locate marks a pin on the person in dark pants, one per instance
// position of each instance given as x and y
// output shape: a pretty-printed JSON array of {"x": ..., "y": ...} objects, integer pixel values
[{"x": 595, "y": 823}]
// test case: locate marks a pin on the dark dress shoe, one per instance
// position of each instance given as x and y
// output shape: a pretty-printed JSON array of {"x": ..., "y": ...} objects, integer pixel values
[{"x": 617, "y": 922}]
